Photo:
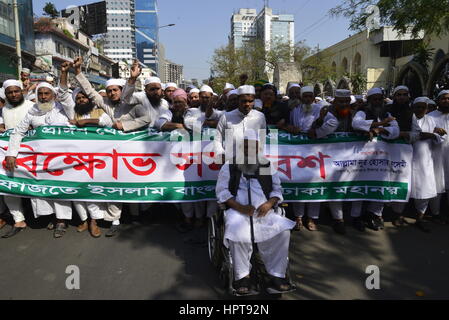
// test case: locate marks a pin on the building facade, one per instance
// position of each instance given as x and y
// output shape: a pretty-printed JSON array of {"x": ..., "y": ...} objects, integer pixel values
[
  {"x": 243, "y": 27},
  {"x": 173, "y": 72},
  {"x": 8, "y": 57},
  {"x": 132, "y": 31}
]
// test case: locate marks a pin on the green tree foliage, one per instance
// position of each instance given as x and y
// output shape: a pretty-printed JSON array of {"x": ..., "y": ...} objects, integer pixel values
[
  {"x": 50, "y": 10},
  {"x": 317, "y": 67},
  {"x": 430, "y": 16}
]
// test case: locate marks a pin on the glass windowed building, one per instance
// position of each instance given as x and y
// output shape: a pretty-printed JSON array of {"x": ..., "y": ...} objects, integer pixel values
[
  {"x": 8, "y": 61},
  {"x": 132, "y": 31}
]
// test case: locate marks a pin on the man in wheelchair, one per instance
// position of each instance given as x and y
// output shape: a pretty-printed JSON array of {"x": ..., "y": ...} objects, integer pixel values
[{"x": 251, "y": 192}]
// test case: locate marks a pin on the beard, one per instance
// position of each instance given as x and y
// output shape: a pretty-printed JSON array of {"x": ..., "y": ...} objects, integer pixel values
[
  {"x": 307, "y": 108},
  {"x": 378, "y": 111},
  {"x": 46, "y": 106},
  {"x": 155, "y": 101},
  {"x": 248, "y": 169},
  {"x": 18, "y": 103},
  {"x": 83, "y": 109}
]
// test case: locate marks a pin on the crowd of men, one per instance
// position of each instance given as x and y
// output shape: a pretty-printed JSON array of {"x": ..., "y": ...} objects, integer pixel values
[{"x": 424, "y": 123}]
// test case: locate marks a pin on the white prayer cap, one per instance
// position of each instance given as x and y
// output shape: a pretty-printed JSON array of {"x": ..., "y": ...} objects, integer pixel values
[
  {"x": 323, "y": 104},
  {"x": 229, "y": 86},
  {"x": 216, "y": 95},
  {"x": 318, "y": 99},
  {"x": 246, "y": 89},
  {"x": 12, "y": 82},
  {"x": 31, "y": 97},
  {"x": 421, "y": 100},
  {"x": 400, "y": 88},
  {"x": 163, "y": 86},
  {"x": 115, "y": 82},
  {"x": 194, "y": 90},
  {"x": 285, "y": 98},
  {"x": 293, "y": 85},
  {"x": 101, "y": 91},
  {"x": 2, "y": 94},
  {"x": 342, "y": 93},
  {"x": 431, "y": 102},
  {"x": 49, "y": 79},
  {"x": 45, "y": 85},
  {"x": 152, "y": 80},
  {"x": 206, "y": 88},
  {"x": 25, "y": 70},
  {"x": 374, "y": 91},
  {"x": 171, "y": 85},
  {"x": 353, "y": 99},
  {"x": 230, "y": 93},
  {"x": 443, "y": 92},
  {"x": 307, "y": 89}
]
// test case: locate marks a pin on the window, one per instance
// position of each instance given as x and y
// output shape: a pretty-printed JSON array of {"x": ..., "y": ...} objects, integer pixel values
[{"x": 59, "y": 48}]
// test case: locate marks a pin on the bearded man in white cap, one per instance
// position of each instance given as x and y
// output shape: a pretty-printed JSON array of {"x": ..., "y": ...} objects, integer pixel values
[
  {"x": 294, "y": 95},
  {"x": 250, "y": 188},
  {"x": 232, "y": 100},
  {"x": 126, "y": 117},
  {"x": 301, "y": 119},
  {"x": 194, "y": 98},
  {"x": 14, "y": 111},
  {"x": 47, "y": 111},
  {"x": 168, "y": 92},
  {"x": 440, "y": 152},
  {"x": 205, "y": 115},
  {"x": 375, "y": 120}
]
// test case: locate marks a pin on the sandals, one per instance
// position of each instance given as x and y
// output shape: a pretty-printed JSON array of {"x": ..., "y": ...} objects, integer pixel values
[
  {"x": 311, "y": 225},
  {"x": 280, "y": 284},
  {"x": 243, "y": 286},
  {"x": 59, "y": 230}
]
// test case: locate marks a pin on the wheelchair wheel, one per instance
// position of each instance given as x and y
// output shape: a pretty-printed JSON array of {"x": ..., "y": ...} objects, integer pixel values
[{"x": 211, "y": 240}]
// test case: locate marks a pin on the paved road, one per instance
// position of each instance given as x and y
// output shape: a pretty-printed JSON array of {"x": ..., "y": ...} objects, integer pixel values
[{"x": 154, "y": 261}]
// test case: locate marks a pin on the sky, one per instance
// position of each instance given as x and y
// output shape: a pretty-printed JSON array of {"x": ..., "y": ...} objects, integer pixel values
[{"x": 204, "y": 25}]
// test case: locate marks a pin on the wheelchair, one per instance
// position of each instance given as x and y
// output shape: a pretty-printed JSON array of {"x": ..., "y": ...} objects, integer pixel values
[{"x": 221, "y": 259}]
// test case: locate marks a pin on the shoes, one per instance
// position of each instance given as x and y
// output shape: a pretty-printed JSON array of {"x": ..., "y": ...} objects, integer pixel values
[
  {"x": 94, "y": 230},
  {"x": 13, "y": 232},
  {"x": 399, "y": 222},
  {"x": 339, "y": 227},
  {"x": 59, "y": 230},
  {"x": 359, "y": 224},
  {"x": 82, "y": 227},
  {"x": 299, "y": 225},
  {"x": 242, "y": 286},
  {"x": 374, "y": 222},
  {"x": 2, "y": 223},
  {"x": 113, "y": 230}
]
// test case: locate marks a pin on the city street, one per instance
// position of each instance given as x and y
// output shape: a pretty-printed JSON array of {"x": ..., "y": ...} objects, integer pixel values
[{"x": 155, "y": 261}]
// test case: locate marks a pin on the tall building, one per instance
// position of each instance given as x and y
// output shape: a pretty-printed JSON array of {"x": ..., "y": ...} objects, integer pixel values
[
  {"x": 8, "y": 57},
  {"x": 173, "y": 72},
  {"x": 132, "y": 31},
  {"x": 272, "y": 28}
]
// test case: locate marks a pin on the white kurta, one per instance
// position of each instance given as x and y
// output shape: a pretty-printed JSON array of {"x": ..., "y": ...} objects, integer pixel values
[
  {"x": 440, "y": 151},
  {"x": 238, "y": 123},
  {"x": 195, "y": 118},
  {"x": 360, "y": 123},
  {"x": 11, "y": 116},
  {"x": 36, "y": 118},
  {"x": 302, "y": 119},
  {"x": 237, "y": 227},
  {"x": 423, "y": 184},
  {"x": 330, "y": 124},
  {"x": 159, "y": 115}
]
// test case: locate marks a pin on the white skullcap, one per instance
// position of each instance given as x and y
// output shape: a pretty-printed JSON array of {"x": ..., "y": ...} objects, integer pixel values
[
  {"x": 293, "y": 85},
  {"x": 318, "y": 98},
  {"x": 353, "y": 99},
  {"x": 400, "y": 88},
  {"x": 115, "y": 82},
  {"x": 342, "y": 93},
  {"x": 421, "y": 100},
  {"x": 231, "y": 92},
  {"x": 171, "y": 85},
  {"x": 246, "y": 89},
  {"x": 323, "y": 103},
  {"x": 308, "y": 89},
  {"x": 443, "y": 92},
  {"x": 31, "y": 97},
  {"x": 215, "y": 94},
  {"x": 12, "y": 82},
  {"x": 49, "y": 79},
  {"x": 101, "y": 91},
  {"x": 229, "y": 86},
  {"x": 152, "y": 80},
  {"x": 25, "y": 70},
  {"x": 45, "y": 85},
  {"x": 374, "y": 91},
  {"x": 206, "y": 88},
  {"x": 431, "y": 102},
  {"x": 194, "y": 90},
  {"x": 2, "y": 94},
  {"x": 163, "y": 86}
]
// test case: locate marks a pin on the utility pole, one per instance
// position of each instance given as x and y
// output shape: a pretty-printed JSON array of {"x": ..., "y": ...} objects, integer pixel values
[{"x": 16, "y": 27}]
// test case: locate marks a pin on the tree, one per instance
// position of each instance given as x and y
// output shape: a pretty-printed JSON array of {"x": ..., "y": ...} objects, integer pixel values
[
  {"x": 317, "y": 67},
  {"x": 50, "y": 10},
  {"x": 430, "y": 16}
]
